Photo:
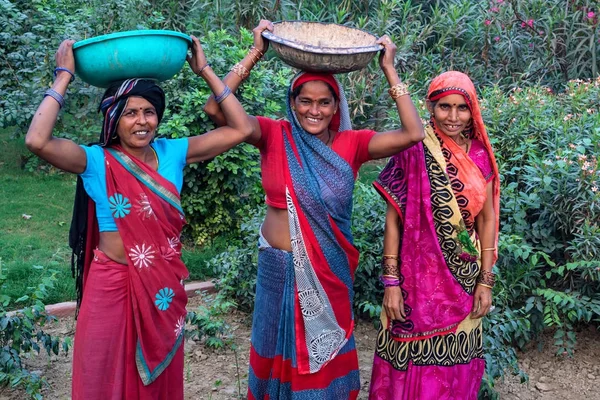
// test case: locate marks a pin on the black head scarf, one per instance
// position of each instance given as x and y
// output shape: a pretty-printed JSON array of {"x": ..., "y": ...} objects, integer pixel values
[{"x": 112, "y": 106}]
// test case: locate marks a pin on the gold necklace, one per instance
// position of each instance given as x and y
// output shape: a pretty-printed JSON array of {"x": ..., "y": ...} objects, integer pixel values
[{"x": 156, "y": 156}]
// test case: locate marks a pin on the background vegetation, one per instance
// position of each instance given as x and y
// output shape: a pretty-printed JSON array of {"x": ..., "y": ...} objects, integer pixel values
[{"x": 535, "y": 62}]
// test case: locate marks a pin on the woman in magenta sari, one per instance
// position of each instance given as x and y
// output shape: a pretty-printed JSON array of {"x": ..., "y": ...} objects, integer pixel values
[
  {"x": 440, "y": 243},
  {"x": 126, "y": 230}
]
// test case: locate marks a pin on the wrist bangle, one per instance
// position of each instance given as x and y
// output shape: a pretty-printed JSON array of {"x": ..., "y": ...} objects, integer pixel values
[
  {"x": 486, "y": 278},
  {"x": 389, "y": 281},
  {"x": 398, "y": 90},
  {"x": 57, "y": 69},
  {"x": 484, "y": 285},
  {"x": 203, "y": 68},
  {"x": 226, "y": 92},
  {"x": 240, "y": 71},
  {"x": 56, "y": 96},
  {"x": 489, "y": 249}
]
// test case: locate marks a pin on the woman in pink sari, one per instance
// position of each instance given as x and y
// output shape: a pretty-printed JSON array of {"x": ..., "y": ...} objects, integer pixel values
[
  {"x": 439, "y": 248},
  {"x": 126, "y": 230}
]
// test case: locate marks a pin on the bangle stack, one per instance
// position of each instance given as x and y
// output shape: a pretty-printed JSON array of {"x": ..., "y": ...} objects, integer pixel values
[
  {"x": 486, "y": 279},
  {"x": 255, "y": 54},
  {"x": 58, "y": 69},
  {"x": 226, "y": 92},
  {"x": 56, "y": 96},
  {"x": 398, "y": 90},
  {"x": 390, "y": 273},
  {"x": 240, "y": 71}
]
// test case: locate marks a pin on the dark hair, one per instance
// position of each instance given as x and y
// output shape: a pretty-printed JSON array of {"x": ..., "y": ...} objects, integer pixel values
[{"x": 298, "y": 89}]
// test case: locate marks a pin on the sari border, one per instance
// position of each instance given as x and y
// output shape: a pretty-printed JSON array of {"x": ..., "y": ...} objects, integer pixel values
[
  {"x": 148, "y": 376},
  {"x": 146, "y": 179},
  {"x": 387, "y": 194}
]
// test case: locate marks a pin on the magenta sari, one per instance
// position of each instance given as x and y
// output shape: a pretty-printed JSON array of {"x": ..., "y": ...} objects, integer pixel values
[{"x": 437, "y": 353}]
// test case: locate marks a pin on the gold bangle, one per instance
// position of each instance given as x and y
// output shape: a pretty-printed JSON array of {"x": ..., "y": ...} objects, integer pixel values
[
  {"x": 257, "y": 50},
  {"x": 240, "y": 71},
  {"x": 489, "y": 249},
  {"x": 391, "y": 255},
  {"x": 398, "y": 90},
  {"x": 484, "y": 285}
]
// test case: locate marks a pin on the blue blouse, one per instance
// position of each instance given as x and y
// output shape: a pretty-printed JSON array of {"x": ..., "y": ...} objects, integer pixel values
[{"x": 171, "y": 153}]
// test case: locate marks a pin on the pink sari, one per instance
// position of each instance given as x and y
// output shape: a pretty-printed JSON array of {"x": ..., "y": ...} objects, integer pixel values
[
  {"x": 437, "y": 190},
  {"x": 131, "y": 321}
]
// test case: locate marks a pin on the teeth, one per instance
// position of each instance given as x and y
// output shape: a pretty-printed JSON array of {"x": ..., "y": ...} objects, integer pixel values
[
  {"x": 141, "y": 133},
  {"x": 312, "y": 119}
]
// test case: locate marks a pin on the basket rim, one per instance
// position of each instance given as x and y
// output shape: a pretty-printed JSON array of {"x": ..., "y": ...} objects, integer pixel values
[
  {"x": 139, "y": 32},
  {"x": 317, "y": 49}
]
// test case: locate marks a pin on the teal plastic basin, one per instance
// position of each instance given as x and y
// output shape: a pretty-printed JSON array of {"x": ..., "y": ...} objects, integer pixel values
[{"x": 149, "y": 54}]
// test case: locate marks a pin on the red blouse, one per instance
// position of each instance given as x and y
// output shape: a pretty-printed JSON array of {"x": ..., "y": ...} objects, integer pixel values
[{"x": 352, "y": 146}]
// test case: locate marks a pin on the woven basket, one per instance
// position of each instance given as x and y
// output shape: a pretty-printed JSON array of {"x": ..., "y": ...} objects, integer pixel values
[{"x": 320, "y": 47}]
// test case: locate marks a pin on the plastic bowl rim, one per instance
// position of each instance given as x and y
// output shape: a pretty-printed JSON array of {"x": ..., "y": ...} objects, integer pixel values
[
  {"x": 141, "y": 32},
  {"x": 322, "y": 50}
]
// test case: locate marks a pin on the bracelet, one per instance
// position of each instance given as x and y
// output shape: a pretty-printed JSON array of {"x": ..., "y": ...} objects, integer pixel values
[
  {"x": 489, "y": 249},
  {"x": 390, "y": 257},
  {"x": 255, "y": 57},
  {"x": 390, "y": 269},
  {"x": 240, "y": 71},
  {"x": 486, "y": 278},
  {"x": 398, "y": 90},
  {"x": 484, "y": 285},
  {"x": 57, "y": 69},
  {"x": 389, "y": 281},
  {"x": 226, "y": 92},
  {"x": 56, "y": 96},
  {"x": 203, "y": 68},
  {"x": 260, "y": 53}
]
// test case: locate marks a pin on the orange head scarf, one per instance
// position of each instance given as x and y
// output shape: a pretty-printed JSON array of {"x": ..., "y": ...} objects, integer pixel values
[{"x": 454, "y": 82}]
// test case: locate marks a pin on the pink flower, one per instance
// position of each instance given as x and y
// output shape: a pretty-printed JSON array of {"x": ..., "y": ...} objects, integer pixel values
[
  {"x": 488, "y": 22},
  {"x": 531, "y": 45},
  {"x": 523, "y": 25},
  {"x": 494, "y": 9},
  {"x": 591, "y": 15},
  {"x": 497, "y": 38},
  {"x": 500, "y": 1},
  {"x": 530, "y": 23}
]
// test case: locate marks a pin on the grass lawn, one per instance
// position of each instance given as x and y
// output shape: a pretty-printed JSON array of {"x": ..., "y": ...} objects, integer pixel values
[{"x": 42, "y": 240}]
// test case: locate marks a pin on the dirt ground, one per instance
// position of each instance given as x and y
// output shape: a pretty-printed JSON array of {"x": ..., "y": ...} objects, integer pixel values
[{"x": 215, "y": 375}]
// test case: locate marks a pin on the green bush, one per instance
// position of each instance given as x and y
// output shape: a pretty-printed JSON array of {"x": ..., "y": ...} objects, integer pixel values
[{"x": 21, "y": 332}]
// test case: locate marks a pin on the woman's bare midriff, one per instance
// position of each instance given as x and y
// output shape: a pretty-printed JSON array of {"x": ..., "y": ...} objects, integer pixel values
[
  {"x": 111, "y": 244},
  {"x": 276, "y": 228}
]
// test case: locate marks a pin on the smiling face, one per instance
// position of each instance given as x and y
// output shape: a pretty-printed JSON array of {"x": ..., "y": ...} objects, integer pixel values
[
  {"x": 451, "y": 114},
  {"x": 315, "y": 106},
  {"x": 137, "y": 125}
]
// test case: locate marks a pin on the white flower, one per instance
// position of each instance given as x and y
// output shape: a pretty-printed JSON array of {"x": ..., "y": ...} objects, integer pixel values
[
  {"x": 144, "y": 206},
  {"x": 174, "y": 243},
  {"x": 179, "y": 326},
  {"x": 142, "y": 256}
]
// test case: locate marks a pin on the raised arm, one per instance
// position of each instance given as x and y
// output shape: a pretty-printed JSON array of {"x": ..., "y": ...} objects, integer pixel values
[
  {"x": 235, "y": 77},
  {"x": 62, "y": 153},
  {"x": 237, "y": 127},
  {"x": 385, "y": 144}
]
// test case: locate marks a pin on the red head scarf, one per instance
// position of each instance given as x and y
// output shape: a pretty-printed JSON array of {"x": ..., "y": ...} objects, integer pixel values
[
  {"x": 334, "y": 125},
  {"x": 454, "y": 82}
]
